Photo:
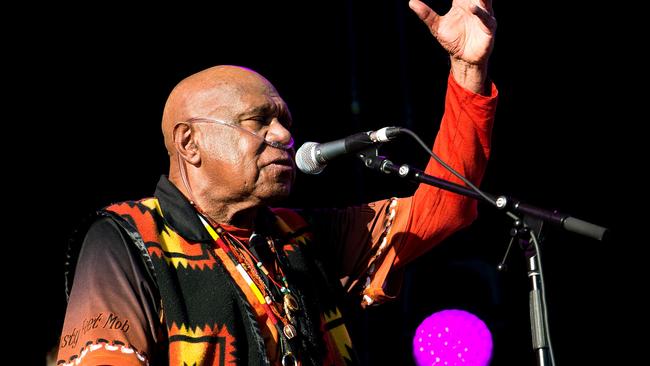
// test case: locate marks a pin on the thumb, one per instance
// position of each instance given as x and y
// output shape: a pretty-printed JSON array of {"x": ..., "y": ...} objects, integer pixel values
[{"x": 428, "y": 16}]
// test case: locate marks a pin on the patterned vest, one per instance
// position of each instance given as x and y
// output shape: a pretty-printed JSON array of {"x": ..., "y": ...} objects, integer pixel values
[{"x": 207, "y": 316}]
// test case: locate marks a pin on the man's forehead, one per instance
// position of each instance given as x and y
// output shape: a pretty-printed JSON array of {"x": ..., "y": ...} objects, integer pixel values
[
  {"x": 239, "y": 100},
  {"x": 256, "y": 90}
]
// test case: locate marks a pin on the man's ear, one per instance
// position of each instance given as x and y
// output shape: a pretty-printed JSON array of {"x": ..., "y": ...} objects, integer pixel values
[{"x": 184, "y": 143}]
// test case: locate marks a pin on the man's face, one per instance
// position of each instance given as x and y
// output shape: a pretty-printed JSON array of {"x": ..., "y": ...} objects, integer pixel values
[{"x": 240, "y": 165}]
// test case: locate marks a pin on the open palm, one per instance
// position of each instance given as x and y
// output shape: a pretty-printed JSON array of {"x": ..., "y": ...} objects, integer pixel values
[{"x": 466, "y": 31}]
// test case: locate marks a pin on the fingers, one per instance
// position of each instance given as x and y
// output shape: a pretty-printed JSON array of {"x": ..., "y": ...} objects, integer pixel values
[
  {"x": 487, "y": 4},
  {"x": 486, "y": 18},
  {"x": 428, "y": 16}
]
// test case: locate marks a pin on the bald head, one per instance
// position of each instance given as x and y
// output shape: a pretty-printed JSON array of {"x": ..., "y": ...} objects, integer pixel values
[
  {"x": 225, "y": 170},
  {"x": 210, "y": 92}
]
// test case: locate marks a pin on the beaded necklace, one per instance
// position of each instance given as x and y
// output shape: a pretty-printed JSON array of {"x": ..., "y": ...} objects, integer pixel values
[{"x": 252, "y": 275}]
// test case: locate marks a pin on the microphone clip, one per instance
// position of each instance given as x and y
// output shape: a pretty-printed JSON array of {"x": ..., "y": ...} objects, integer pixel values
[{"x": 372, "y": 160}]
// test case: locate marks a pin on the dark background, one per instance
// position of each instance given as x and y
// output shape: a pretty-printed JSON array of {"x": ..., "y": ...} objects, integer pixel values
[{"x": 564, "y": 138}]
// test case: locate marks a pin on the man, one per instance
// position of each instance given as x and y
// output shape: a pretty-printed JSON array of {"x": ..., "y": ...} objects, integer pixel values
[{"x": 204, "y": 273}]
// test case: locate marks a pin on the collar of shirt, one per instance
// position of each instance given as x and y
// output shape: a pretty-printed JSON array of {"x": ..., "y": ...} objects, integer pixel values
[
  {"x": 181, "y": 216},
  {"x": 179, "y": 213}
]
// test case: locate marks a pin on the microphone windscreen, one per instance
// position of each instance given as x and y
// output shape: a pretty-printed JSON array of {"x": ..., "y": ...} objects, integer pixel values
[{"x": 306, "y": 159}]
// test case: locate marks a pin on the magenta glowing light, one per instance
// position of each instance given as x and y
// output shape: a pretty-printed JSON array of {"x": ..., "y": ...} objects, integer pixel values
[{"x": 452, "y": 338}]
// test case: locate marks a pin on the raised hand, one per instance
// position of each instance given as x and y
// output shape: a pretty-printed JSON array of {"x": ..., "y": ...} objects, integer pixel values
[{"x": 466, "y": 31}]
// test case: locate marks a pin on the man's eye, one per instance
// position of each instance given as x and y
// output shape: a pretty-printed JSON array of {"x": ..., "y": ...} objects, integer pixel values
[
  {"x": 261, "y": 119},
  {"x": 254, "y": 123}
]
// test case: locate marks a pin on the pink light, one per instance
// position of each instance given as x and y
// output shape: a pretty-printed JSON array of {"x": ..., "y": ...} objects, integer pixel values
[{"x": 452, "y": 338}]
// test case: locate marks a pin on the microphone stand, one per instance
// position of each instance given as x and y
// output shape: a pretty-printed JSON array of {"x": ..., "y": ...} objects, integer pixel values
[{"x": 526, "y": 229}]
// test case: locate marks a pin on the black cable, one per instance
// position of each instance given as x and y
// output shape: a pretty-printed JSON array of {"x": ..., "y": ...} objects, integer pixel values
[{"x": 454, "y": 172}]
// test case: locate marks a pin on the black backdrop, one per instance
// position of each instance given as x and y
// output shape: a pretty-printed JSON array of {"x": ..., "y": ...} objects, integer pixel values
[{"x": 98, "y": 82}]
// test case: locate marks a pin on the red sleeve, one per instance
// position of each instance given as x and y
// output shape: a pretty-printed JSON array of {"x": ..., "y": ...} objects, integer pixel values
[
  {"x": 385, "y": 235},
  {"x": 111, "y": 317},
  {"x": 463, "y": 142}
]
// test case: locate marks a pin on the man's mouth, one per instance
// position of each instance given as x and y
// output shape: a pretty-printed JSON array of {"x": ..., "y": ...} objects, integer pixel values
[{"x": 282, "y": 162}]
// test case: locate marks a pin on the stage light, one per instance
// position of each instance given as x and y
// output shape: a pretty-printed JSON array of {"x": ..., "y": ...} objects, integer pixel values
[{"x": 452, "y": 338}]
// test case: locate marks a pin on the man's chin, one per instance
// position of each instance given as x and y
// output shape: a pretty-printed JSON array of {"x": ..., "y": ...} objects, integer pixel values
[{"x": 276, "y": 194}]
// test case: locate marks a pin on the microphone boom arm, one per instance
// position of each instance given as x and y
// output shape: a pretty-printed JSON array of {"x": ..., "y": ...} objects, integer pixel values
[{"x": 373, "y": 161}]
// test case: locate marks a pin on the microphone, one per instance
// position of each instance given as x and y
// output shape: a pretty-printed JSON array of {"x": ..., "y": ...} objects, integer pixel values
[{"x": 312, "y": 157}]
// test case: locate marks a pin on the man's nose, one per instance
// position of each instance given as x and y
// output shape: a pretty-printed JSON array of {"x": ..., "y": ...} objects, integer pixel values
[{"x": 278, "y": 132}]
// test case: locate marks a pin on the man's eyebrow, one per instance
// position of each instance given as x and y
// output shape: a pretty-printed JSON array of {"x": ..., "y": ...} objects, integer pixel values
[{"x": 259, "y": 109}]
